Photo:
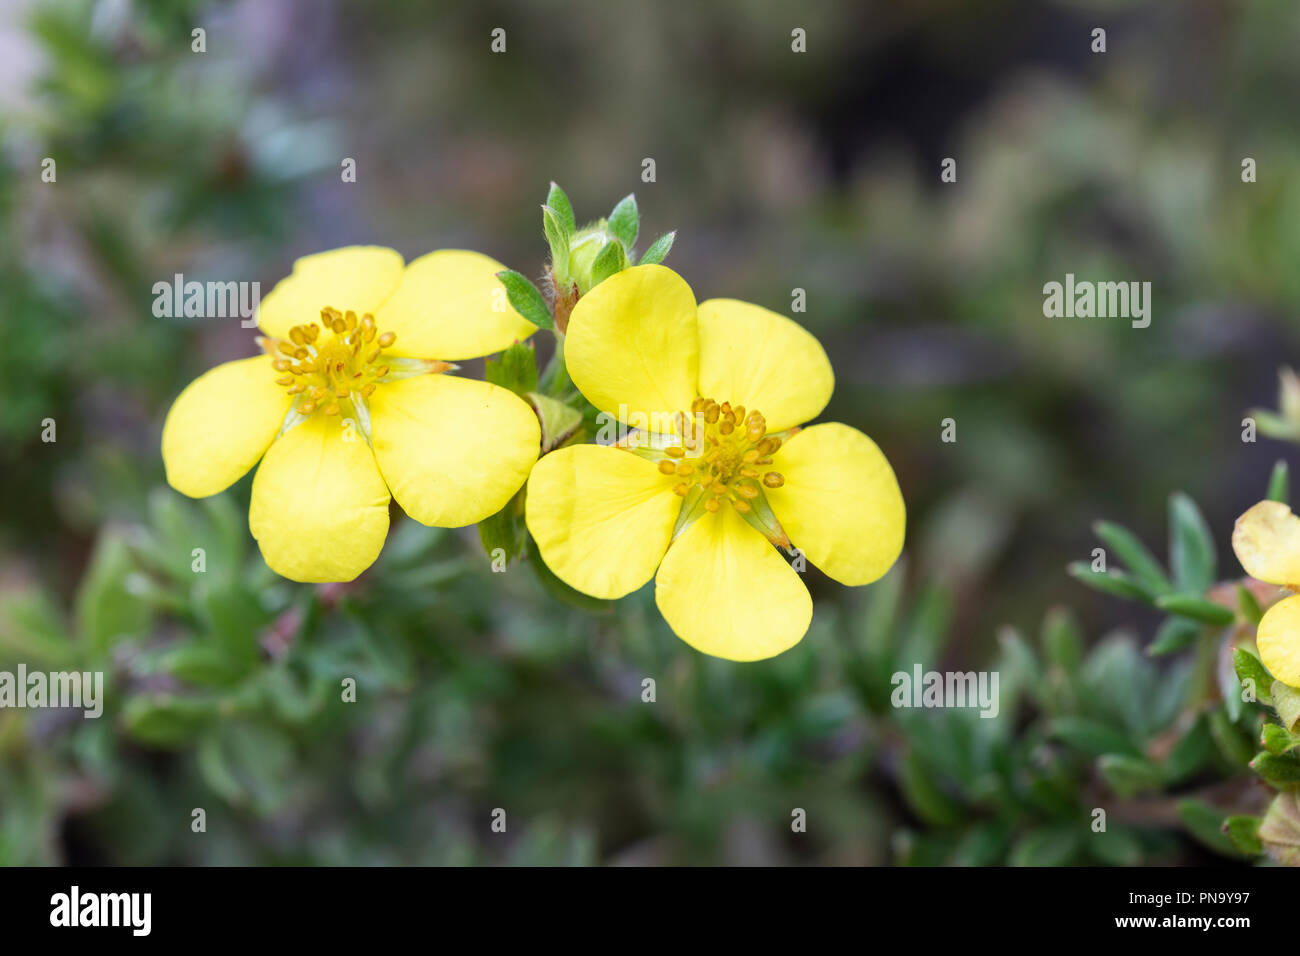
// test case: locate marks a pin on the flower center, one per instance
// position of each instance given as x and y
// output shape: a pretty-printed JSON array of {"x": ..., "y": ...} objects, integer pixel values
[
  {"x": 725, "y": 452},
  {"x": 327, "y": 364}
]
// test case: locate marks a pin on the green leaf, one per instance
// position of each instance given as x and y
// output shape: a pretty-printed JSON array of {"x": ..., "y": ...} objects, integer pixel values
[
  {"x": 1250, "y": 608},
  {"x": 1174, "y": 634},
  {"x": 625, "y": 221},
  {"x": 1062, "y": 640},
  {"x": 558, "y": 200},
  {"x": 1276, "y": 739},
  {"x": 1191, "y": 546},
  {"x": 105, "y": 610},
  {"x": 515, "y": 368},
  {"x": 31, "y": 629},
  {"x": 609, "y": 260},
  {"x": 1092, "y": 737},
  {"x": 1046, "y": 846},
  {"x": 164, "y": 720},
  {"x": 1205, "y": 823},
  {"x": 1286, "y": 701},
  {"x": 1196, "y": 608},
  {"x": 924, "y": 795},
  {"x": 525, "y": 299},
  {"x": 1231, "y": 742},
  {"x": 1279, "y": 484},
  {"x": 1140, "y": 561},
  {"x": 1252, "y": 672},
  {"x": 1116, "y": 846},
  {"x": 1192, "y": 751},
  {"x": 1114, "y": 582},
  {"x": 557, "y": 237},
  {"x": 1129, "y": 776},
  {"x": 203, "y": 665},
  {"x": 503, "y": 531},
  {"x": 1279, "y": 771},
  {"x": 659, "y": 249},
  {"x": 1243, "y": 832}
]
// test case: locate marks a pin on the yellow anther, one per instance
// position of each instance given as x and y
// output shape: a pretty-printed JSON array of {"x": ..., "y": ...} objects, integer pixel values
[
  {"x": 675, "y": 452},
  {"x": 713, "y": 504},
  {"x": 339, "y": 326},
  {"x": 374, "y": 354},
  {"x": 387, "y": 339},
  {"x": 747, "y": 491},
  {"x": 681, "y": 489},
  {"x": 741, "y": 505},
  {"x": 774, "y": 479},
  {"x": 287, "y": 348},
  {"x": 306, "y": 408},
  {"x": 368, "y": 390},
  {"x": 684, "y": 470},
  {"x": 667, "y": 467},
  {"x": 350, "y": 318},
  {"x": 297, "y": 335},
  {"x": 727, "y": 426},
  {"x": 280, "y": 365},
  {"x": 287, "y": 380},
  {"x": 332, "y": 408}
]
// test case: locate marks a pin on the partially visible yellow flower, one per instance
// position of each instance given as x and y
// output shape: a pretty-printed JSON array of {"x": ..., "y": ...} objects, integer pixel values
[
  {"x": 349, "y": 405},
  {"x": 1267, "y": 542},
  {"x": 731, "y": 474}
]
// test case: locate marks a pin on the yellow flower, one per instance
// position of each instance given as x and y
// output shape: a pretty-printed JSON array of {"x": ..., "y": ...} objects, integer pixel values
[
  {"x": 729, "y": 474},
  {"x": 1267, "y": 542},
  {"x": 349, "y": 405}
]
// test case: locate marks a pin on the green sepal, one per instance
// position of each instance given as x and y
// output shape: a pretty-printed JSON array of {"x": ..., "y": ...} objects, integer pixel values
[
  {"x": 526, "y": 299},
  {"x": 611, "y": 259},
  {"x": 658, "y": 250},
  {"x": 515, "y": 368},
  {"x": 557, "y": 237},
  {"x": 558, "y": 420},
  {"x": 558, "y": 200},
  {"x": 1286, "y": 701},
  {"x": 625, "y": 222}
]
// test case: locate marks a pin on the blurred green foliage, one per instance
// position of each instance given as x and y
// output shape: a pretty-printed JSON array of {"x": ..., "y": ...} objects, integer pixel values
[{"x": 778, "y": 171}]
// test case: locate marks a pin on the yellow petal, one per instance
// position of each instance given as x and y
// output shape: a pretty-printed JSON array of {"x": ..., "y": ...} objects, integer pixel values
[
  {"x": 359, "y": 278},
  {"x": 221, "y": 424},
  {"x": 319, "y": 509},
  {"x": 453, "y": 450},
  {"x": 602, "y": 518},
  {"x": 840, "y": 503},
  {"x": 1267, "y": 542},
  {"x": 632, "y": 346},
  {"x": 1278, "y": 641},
  {"x": 757, "y": 358},
  {"x": 727, "y": 592},
  {"x": 450, "y": 305}
]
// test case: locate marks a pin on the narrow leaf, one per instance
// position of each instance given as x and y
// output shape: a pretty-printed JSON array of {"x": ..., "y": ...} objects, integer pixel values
[{"x": 526, "y": 299}]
